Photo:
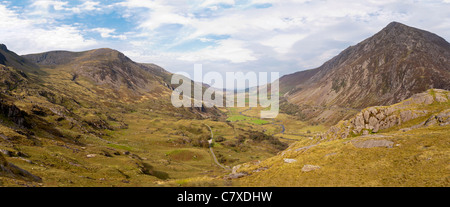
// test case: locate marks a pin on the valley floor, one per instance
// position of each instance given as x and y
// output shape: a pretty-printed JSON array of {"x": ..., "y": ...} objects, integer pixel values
[
  {"x": 160, "y": 150},
  {"x": 157, "y": 150},
  {"x": 414, "y": 158}
]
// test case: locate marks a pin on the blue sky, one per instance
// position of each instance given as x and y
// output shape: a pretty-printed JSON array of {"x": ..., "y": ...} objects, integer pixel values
[{"x": 223, "y": 35}]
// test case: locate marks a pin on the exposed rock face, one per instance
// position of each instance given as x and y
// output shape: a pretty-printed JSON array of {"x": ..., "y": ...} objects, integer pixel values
[
  {"x": 12, "y": 171},
  {"x": 374, "y": 119},
  {"x": 384, "y": 69},
  {"x": 14, "y": 114},
  {"x": 9, "y": 58},
  {"x": 102, "y": 66},
  {"x": 443, "y": 118}
]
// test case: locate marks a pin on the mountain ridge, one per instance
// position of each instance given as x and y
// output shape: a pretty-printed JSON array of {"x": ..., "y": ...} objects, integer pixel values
[
  {"x": 9, "y": 58},
  {"x": 388, "y": 67}
]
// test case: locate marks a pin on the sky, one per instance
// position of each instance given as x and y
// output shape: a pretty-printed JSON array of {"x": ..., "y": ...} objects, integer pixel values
[{"x": 223, "y": 35}]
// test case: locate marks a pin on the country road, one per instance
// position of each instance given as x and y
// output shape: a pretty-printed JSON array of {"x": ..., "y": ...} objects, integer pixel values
[{"x": 212, "y": 151}]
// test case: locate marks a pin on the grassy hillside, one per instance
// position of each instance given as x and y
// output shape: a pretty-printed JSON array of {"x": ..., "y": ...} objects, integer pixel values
[{"x": 412, "y": 153}]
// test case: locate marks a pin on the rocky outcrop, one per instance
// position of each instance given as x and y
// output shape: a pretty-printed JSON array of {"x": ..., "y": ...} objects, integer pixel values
[
  {"x": 14, "y": 114},
  {"x": 374, "y": 119},
  {"x": 441, "y": 119},
  {"x": 11, "y": 59},
  {"x": 12, "y": 171}
]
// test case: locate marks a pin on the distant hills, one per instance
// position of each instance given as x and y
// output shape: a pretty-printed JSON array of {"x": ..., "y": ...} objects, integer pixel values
[
  {"x": 89, "y": 89},
  {"x": 394, "y": 64},
  {"x": 104, "y": 67}
]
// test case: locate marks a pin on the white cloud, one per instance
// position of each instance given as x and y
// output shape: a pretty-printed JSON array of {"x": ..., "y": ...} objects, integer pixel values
[
  {"x": 302, "y": 33},
  {"x": 207, "y": 3},
  {"x": 160, "y": 13},
  {"x": 48, "y": 4},
  {"x": 283, "y": 43},
  {"x": 61, "y": 9},
  {"x": 90, "y": 6},
  {"x": 109, "y": 33},
  {"x": 30, "y": 36},
  {"x": 229, "y": 50},
  {"x": 287, "y": 35}
]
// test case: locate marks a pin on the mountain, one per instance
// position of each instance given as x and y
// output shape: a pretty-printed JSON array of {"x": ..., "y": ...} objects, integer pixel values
[
  {"x": 92, "y": 90},
  {"x": 390, "y": 66},
  {"x": 105, "y": 67},
  {"x": 9, "y": 58},
  {"x": 59, "y": 109}
]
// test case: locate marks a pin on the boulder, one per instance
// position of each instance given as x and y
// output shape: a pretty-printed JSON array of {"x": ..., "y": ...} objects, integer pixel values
[
  {"x": 366, "y": 115},
  {"x": 289, "y": 160},
  {"x": 406, "y": 115},
  {"x": 372, "y": 143},
  {"x": 444, "y": 117},
  {"x": 380, "y": 116},
  {"x": 376, "y": 128},
  {"x": 372, "y": 122},
  {"x": 359, "y": 123},
  {"x": 235, "y": 168},
  {"x": 422, "y": 98},
  {"x": 236, "y": 175},
  {"x": 365, "y": 132},
  {"x": 308, "y": 168}
]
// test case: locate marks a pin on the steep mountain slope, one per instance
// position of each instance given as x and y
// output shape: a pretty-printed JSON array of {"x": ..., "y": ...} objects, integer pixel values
[
  {"x": 63, "y": 113},
  {"x": 103, "y": 67},
  {"x": 405, "y": 144},
  {"x": 9, "y": 58},
  {"x": 390, "y": 66}
]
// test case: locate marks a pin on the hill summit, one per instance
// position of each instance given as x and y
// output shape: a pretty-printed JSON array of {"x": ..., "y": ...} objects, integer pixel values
[{"x": 389, "y": 67}]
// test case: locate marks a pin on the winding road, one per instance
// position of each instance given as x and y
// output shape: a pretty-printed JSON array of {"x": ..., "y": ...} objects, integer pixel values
[{"x": 212, "y": 151}]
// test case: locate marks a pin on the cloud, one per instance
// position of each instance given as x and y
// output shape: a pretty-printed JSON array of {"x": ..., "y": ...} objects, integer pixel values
[
  {"x": 24, "y": 35},
  {"x": 285, "y": 36},
  {"x": 215, "y": 2},
  {"x": 55, "y": 8},
  {"x": 231, "y": 50},
  {"x": 283, "y": 43},
  {"x": 109, "y": 33}
]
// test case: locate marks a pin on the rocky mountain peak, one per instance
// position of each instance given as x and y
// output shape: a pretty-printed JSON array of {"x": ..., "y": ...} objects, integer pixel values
[
  {"x": 3, "y": 47},
  {"x": 384, "y": 69},
  {"x": 396, "y": 26}
]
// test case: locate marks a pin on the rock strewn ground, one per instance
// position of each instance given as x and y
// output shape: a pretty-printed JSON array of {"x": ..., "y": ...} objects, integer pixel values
[{"x": 374, "y": 119}]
